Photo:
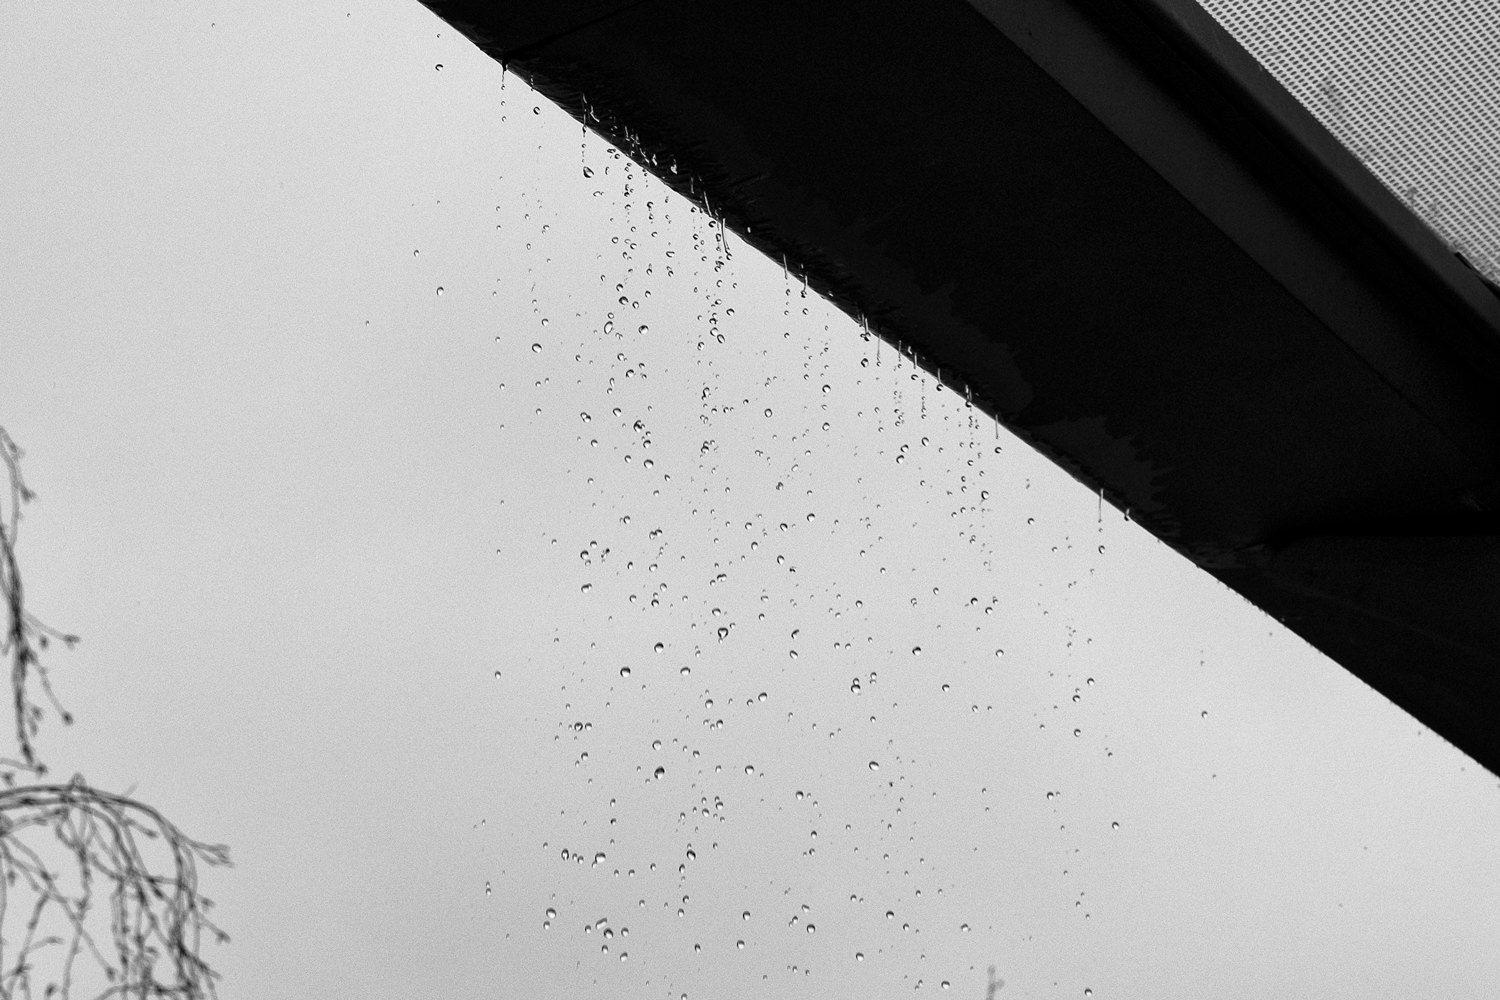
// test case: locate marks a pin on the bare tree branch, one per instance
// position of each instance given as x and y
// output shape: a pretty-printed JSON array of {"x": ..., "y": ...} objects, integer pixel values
[{"x": 156, "y": 917}]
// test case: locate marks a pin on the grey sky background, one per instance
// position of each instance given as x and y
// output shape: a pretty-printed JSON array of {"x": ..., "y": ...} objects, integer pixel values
[{"x": 336, "y": 377}]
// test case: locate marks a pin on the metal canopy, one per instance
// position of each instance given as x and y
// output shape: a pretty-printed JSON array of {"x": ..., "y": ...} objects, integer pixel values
[{"x": 1109, "y": 224}]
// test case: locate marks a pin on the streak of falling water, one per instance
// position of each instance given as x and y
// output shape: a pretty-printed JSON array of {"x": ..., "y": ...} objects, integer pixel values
[{"x": 781, "y": 537}]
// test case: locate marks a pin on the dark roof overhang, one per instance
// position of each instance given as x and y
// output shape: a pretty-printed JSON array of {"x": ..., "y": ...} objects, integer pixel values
[{"x": 1109, "y": 224}]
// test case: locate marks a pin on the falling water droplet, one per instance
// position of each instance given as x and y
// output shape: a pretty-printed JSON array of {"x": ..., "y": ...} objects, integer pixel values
[
  {"x": 440, "y": 289},
  {"x": 536, "y": 348},
  {"x": 874, "y": 765}
]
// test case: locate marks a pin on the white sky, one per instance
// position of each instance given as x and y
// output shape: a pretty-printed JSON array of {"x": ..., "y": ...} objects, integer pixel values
[{"x": 321, "y": 530}]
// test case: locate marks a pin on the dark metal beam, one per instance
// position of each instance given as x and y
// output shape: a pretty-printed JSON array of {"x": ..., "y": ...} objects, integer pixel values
[{"x": 1109, "y": 224}]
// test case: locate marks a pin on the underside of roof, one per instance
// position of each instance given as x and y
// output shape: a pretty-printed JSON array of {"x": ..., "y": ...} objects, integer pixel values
[{"x": 1109, "y": 224}]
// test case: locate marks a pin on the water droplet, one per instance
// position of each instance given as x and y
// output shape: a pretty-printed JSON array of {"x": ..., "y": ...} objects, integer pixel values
[
  {"x": 487, "y": 889},
  {"x": 536, "y": 348},
  {"x": 874, "y": 765},
  {"x": 859, "y": 956},
  {"x": 658, "y": 772},
  {"x": 1203, "y": 714},
  {"x": 1114, "y": 826},
  {"x": 768, "y": 411},
  {"x": 740, "y": 945},
  {"x": 750, "y": 769},
  {"x": 812, "y": 928},
  {"x": 658, "y": 647},
  {"x": 745, "y": 915},
  {"x": 588, "y": 172},
  {"x": 624, "y": 671},
  {"x": 551, "y": 913},
  {"x": 440, "y": 289},
  {"x": 916, "y": 651},
  {"x": 438, "y": 67}
]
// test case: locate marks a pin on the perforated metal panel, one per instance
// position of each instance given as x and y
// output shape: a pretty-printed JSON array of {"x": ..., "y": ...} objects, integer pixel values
[{"x": 1411, "y": 87}]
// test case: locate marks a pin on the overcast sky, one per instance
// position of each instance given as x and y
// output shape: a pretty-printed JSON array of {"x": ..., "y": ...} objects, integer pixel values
[{"x": 540, "y": 603}]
